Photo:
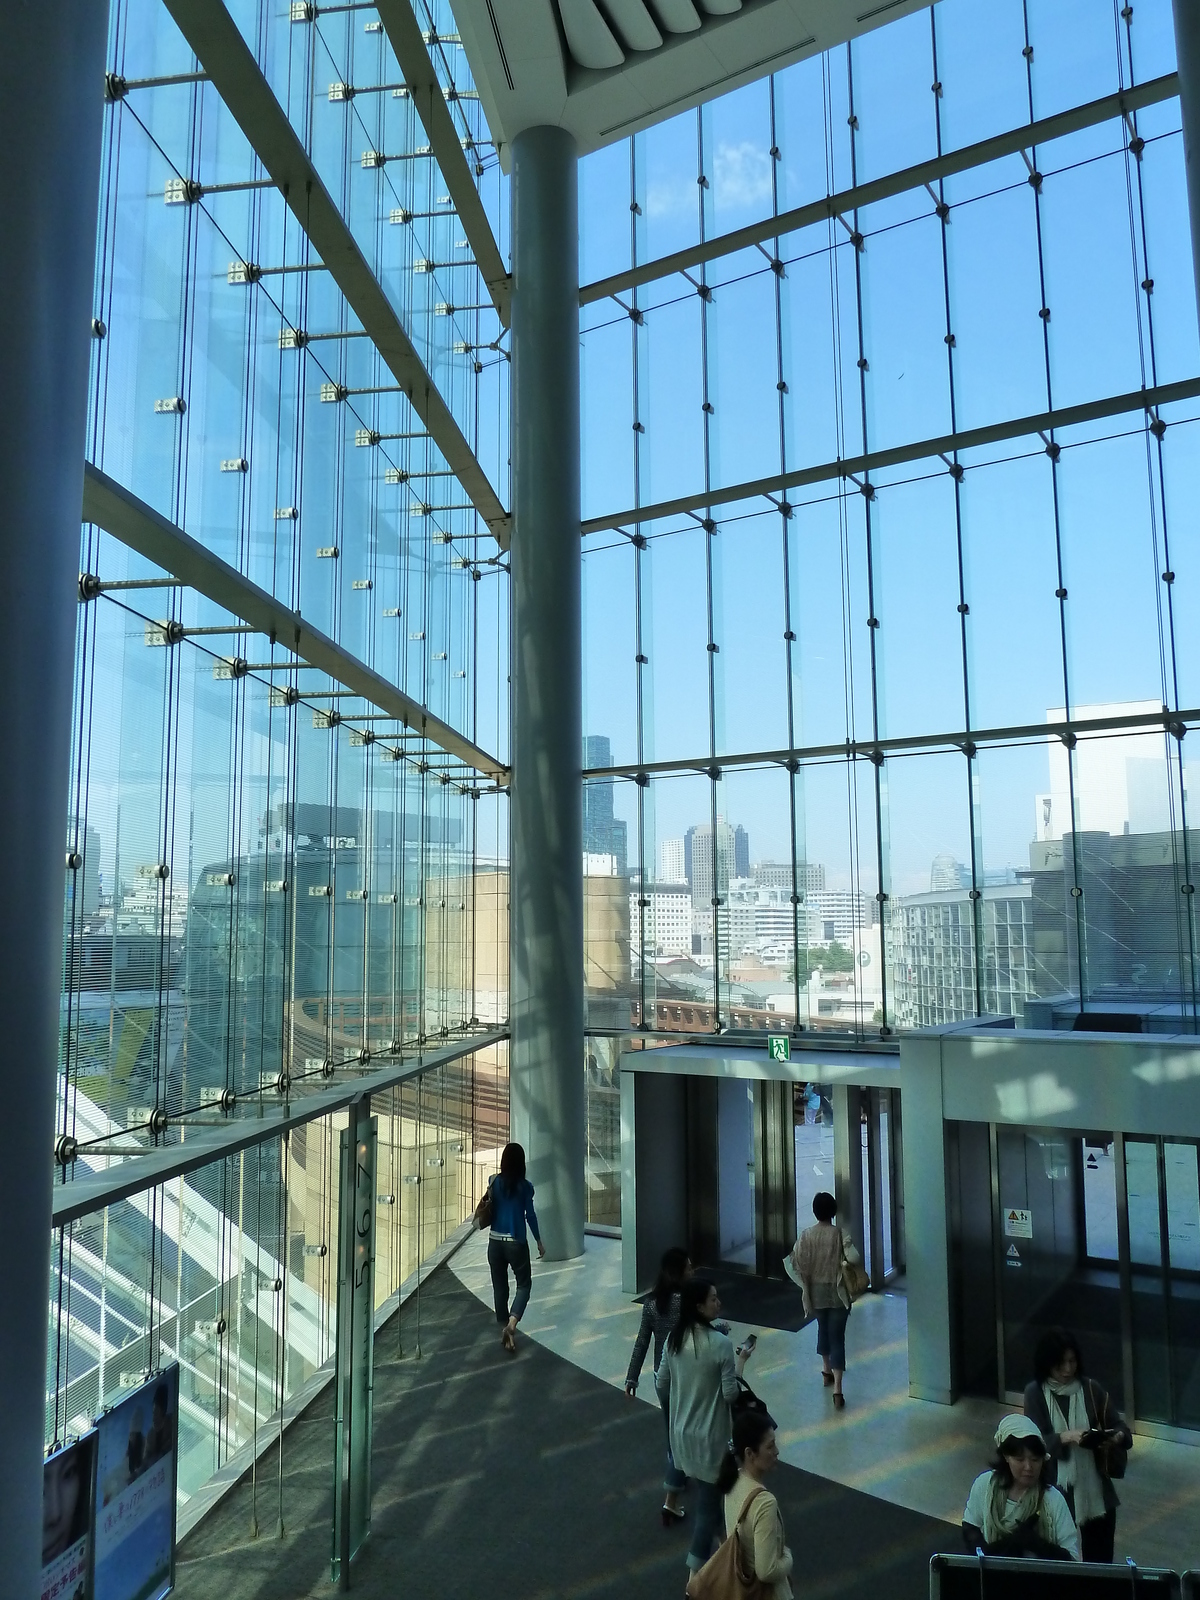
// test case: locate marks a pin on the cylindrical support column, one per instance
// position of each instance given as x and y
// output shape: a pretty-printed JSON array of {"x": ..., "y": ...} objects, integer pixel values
[
  {"x": 546, "y": 803},
  {"x": 51, "y": 110},
  {"x": 1187, "y": 55}
]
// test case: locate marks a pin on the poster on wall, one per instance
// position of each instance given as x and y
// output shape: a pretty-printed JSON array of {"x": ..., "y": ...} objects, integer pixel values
[
  {"x": 68, "y": 1482},
  {"x": 136, "y": 1472}
]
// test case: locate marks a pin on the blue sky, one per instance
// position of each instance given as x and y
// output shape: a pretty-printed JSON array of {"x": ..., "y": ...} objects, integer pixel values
[{"x": 1094, "y": 214}]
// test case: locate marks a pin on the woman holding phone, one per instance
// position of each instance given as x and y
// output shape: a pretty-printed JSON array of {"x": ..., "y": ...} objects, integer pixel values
[
  {"x": 697, "y": 1382},
  {"x": 1086, "y": 1438}
]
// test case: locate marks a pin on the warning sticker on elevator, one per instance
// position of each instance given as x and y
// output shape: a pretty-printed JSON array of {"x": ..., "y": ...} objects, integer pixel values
[
  {"x": 1018, "y": 1224},
  {"x": 1014, "y": 1256}
]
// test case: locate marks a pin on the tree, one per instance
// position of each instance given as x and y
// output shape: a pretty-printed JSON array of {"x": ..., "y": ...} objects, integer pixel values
[{"x": 835, "y": 958}]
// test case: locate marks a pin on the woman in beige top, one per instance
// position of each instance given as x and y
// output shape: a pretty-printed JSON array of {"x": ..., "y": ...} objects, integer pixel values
[
  {"x": 752, "y": 1510},
  {"x": 817, "y": 1260}
]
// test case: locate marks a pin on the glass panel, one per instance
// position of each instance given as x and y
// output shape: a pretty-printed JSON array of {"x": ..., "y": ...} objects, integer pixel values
[
  {"x": 1100, "y": 1201},
  {"x": 813, "y": 1112},
  {"x": 1183, "y": 1244},
  {"x": 1151, "y": 1340}
]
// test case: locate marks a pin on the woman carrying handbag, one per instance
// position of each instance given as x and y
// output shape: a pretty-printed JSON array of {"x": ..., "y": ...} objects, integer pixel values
[
  {"x": 754, "y": 1563},
  {"x": 1086, "y": 1437},
  {"x": 829, "y": 1270},
  {"x": 697, "y": 1382}
]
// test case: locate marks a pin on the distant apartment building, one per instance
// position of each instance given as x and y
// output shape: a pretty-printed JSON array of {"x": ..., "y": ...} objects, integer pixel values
[
  {"x": 809, "y": 876},
  {"x": 670, "y": 861},
  {"x": 837, "y": 915},
  {"x": 758, "y": 916},
  {"x": 661, "y": 913}
]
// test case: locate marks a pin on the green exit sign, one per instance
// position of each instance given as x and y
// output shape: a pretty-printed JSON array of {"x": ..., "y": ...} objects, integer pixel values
[{"x": 779, "y": 1047}]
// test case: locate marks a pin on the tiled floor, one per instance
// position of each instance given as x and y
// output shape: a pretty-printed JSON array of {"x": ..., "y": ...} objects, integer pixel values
[{"x": 910, "y": 1452}]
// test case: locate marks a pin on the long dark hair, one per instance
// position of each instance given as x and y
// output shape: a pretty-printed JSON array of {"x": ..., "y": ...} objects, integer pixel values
[
  {"x": 672, "y": 1270},
  {"x": 1051, "y": 1348},
  {"x": 693, "y": 1292},
  {"x": 750, "y": 1428},
  {"x": 512, "y": 1167}
]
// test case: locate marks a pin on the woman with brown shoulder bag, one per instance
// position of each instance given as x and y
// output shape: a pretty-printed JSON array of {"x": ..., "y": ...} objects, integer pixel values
[
  {"x": 754, "y": 1563},
  {"x": 829, "y": 1270}
]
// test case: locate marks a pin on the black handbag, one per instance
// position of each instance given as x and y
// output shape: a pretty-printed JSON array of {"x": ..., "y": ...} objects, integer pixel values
[
  {"x": 483, "y": 1211},
  {"x": 748, "y": 1401},
  {"x": 1111, "y": 1458}
]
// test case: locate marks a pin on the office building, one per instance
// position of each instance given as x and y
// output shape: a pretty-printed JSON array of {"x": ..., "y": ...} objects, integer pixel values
[
  {"x": 603, "y": 834},
  {"x": 671, "y": 861},
  {"x": 835, "y": 915},
  {"x": 710, "y": 858},
  {"x": 543, "y": 548},
  {"x": 807, "y": 876},
  {"x": 660, "y": 919},
  {"x": 953, "y": 956}
]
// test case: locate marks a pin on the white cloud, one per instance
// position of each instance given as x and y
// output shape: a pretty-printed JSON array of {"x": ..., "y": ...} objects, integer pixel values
[
  {"x": 669, "y": 199},
  {"x": 741, "y": 178},
  {"x": 742, "y": 175}
]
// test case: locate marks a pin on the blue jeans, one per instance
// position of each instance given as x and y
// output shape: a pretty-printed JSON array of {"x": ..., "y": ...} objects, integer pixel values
[
  {"x": 707, "y": 1509},
  {"x": 502, "y": 1254},
  {"x": 831, "y": 1336},
  {"x": 674, "y": 1480}
]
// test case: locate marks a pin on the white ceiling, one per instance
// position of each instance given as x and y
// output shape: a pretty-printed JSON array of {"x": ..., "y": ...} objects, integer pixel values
[{"x": 606, "y": 68}]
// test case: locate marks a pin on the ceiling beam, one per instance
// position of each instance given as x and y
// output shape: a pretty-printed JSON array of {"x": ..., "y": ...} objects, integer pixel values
[
  {"x": 865, "y": 194},
  {"x": 138, "y": 526},
  {"x": 408, "y": 46},
  {"x": 920, "y": 450},
  {"x": 966, "y": 741},
  {"x": 220, "y": 49}
]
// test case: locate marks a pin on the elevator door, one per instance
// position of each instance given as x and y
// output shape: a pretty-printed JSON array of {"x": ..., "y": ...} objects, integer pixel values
[
  {"x": 1162, "y": 1184},
  {"x": 1054, "y": 1252},
  {"x": 735, "y": 1167}
]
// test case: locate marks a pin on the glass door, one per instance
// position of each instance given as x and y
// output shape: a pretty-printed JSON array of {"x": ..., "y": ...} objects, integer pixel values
[{"x": 1162, "y": 1185}]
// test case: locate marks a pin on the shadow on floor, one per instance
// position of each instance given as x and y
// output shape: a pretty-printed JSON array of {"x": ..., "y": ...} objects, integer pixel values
[{"x": 498, "y": 1475}]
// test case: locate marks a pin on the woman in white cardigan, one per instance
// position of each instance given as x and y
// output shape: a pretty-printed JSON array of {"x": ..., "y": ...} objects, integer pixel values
[{"x": 697, "y": 1379}]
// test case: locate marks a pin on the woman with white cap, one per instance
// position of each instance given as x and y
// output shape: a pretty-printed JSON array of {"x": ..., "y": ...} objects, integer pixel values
[{"x": 1011, "y": 1510}]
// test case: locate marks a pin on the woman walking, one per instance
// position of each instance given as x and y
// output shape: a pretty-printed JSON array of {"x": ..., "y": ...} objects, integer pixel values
[
  {"x": 660, "y": 1313},
  {"x": 508, "y": 1245},
  {"x": 752, "y": 1509},
  {"x": 1085, "y": 1436},
  {"x": 1012, "y": 1510},
  {"x": 818, "y": 1258},
  {"x": 697, "y": 1380}
]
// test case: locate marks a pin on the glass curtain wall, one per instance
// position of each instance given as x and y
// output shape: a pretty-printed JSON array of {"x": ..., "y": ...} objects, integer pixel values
[
  {"x": 899, "y": 742},
  {"x": 232, "y": 1271},
  {"x": 272, "y": 882}
]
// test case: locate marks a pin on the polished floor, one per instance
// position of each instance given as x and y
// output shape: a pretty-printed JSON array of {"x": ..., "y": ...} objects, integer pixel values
[{"x": 908, "y": 1453}]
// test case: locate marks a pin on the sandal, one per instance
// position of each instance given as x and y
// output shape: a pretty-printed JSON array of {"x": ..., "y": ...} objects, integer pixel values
[
  {"x": 671, "y": 1515},
  {"x": 509, "y": 1343}
]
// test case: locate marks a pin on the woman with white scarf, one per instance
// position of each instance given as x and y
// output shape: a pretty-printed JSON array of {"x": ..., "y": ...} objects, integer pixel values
[
  {"x": 1085, "y": 1435},
  {"x": 1011, "y": 1510}
]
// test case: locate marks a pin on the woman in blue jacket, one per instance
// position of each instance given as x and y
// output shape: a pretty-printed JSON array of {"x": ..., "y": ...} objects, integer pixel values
[{"x": 508, "y": 1245}]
